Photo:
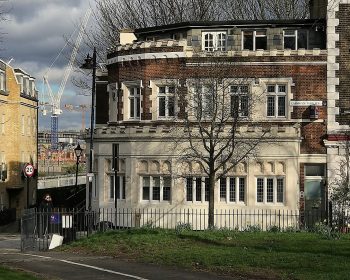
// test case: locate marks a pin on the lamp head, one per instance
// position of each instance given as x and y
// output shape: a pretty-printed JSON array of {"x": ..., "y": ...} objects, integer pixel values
[{"x": 78, "y": 151}]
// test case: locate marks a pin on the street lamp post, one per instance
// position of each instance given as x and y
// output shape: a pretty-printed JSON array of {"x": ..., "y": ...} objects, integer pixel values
[
  {"x": 90, "y": 63},
  {"x": 78, "y": 151}
]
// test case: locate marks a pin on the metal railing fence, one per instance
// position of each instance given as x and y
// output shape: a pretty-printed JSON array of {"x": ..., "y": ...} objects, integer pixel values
[{"x": 37, "y": 226}]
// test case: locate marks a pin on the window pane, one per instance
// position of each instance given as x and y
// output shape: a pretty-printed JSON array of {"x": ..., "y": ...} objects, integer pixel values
[
  {"x": 289, "y": 43},
  {"x": 111, "y": 187},
  {"x": 221, "y": 42},
  {"x": 281, "y": 88},
  {"x": 137, "y": 107},
  {"x": 314, "y": 170},
  {"x": 189, "y": 188},
  {"x": 248, "y": 40},
  {"x": 161, "y": 89},
  {"x": 171, "y": 89},
  {"x": 281, "y": 106},
  {"x": 118, "y": 187},
  {"x": 166, "y": 193},
  {"x": 280, "y": 190},
  {"x": 242, "y": 189},
  {"x": 244, "y": 89},
  {"x": 270, "y": 106},
  {"x": 234, "y": 106},
  {"x": 132, "y": 106},
  {"x": 198, "y": 189},
  {"x": 124, "y": 187},
  {"x": 271, "y": 88},
  {"x": 234, "y": 89},
  {"x": 206, "y": 192},
  {"x": 223, "y": 189},
  {"x": 156, "y": 188},
  {"x": 302, "y": 39},
  {"x": 260, "y": 190},
  {"x": 208, "y": 42},
  {"x": 146, "y": 187},
  {"x": 261, "y": 43},
  {"x": 162, "y": 106},
  {"x": 232, "y": 189},
  {"x": 269, "y": 190},
  {"x": 244, "y": 106},
  {"x": 171, "y": 106},
  {"x": 167, "y": 188}
]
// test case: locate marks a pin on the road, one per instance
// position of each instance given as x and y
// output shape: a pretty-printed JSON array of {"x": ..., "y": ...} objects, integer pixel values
[{"x": 60, "y": 265}]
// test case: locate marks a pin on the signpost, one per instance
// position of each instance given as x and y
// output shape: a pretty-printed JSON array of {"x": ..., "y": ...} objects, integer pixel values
[{"x": 28, "y": 171}]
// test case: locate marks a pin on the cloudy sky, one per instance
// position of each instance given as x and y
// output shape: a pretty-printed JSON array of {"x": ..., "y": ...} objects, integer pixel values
[{"x": 33, "y": 35}]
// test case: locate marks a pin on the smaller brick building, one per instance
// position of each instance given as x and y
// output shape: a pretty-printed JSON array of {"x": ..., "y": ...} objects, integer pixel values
[{"x": 18, "y": 136}]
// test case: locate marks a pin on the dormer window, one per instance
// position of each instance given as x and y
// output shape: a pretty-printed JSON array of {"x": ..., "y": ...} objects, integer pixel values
[
  {"x": 295, "y": 39},
  {"x": 2, "y": 81},
  {"x": 26, "y": 89},
  {"x": 254, "y": 40},
  {"x": 214, "y": 41}
]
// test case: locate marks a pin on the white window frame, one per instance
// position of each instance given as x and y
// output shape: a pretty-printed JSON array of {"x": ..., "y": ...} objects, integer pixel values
[
  {"x": 167, "y": 95},
  {"x": 2, "y": 81},
  {"x": 277, "y": 94},
  {"x": 295, "y": 36},
  {"x": 122, "y": 187},
  {"x": 195, "y": 181},
  {"x": 135, "y": 95},
  {"x": 239, "y": 93},
  {"x": 236, "y": 180},
  {"x": 20, "y": 82},
  {"x": 218, "y": 43},
  {"x": 255, "y": 35},
  {"x": 275, "y": 191},
  {"x": 152, "y": 186},
  {"x": 201, "y": 95}
]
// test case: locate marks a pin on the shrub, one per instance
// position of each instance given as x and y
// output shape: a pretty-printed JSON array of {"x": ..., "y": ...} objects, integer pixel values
[
  {"x": 253, "y": 228},
  {"x": 181, "y": 227},
  {"x": 290, "y": 229},
  {"x": 325, "y": 231},
  {"x": 274, "y": 229}
]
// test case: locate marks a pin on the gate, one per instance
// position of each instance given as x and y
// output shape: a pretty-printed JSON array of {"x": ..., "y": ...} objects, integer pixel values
[{"x": 38, "y": 227}]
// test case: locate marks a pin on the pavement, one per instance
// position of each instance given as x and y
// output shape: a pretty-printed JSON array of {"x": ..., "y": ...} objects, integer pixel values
[{"x": 65, "y": 266}]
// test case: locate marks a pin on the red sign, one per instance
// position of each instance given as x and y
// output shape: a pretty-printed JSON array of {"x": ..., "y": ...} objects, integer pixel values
[{"x": 28, "y": 170}]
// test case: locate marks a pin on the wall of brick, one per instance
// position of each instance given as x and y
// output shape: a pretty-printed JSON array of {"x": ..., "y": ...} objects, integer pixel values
[{"x": 309, "y": 83}]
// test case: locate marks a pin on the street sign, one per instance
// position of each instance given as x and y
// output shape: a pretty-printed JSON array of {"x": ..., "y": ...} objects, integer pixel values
[{"x": 28, "y": 170}]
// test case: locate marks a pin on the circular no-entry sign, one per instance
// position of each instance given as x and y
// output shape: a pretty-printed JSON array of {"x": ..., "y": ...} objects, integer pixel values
[{"x": 28, "y": 170}]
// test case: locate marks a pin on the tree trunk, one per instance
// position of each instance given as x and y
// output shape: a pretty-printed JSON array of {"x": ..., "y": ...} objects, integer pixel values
[{"x": 211, "y": 222}]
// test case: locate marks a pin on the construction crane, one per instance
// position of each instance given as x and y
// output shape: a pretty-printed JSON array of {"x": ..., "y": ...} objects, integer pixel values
[
  {"x": 83, "y": 108},
  {"x": 55, "y": 99}
]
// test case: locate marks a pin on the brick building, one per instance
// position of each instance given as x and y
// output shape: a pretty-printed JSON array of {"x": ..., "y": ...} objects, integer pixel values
[
  {"x": 18, "y": 136},
  {"x": 284, "y": 63}
]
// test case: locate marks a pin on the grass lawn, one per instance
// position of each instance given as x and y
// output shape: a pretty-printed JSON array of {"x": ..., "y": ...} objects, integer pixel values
[
  {"x": 9, "y": 274},
  {"x": 254, "y": 255}
]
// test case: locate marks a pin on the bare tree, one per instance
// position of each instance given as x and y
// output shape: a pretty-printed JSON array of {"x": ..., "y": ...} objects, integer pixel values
[
  {"x": 113, "y": 15},
  {"x": 210, "y": 131},
  {"x": 340, "y": 185},
  {"x": 264, "y": 9}
]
